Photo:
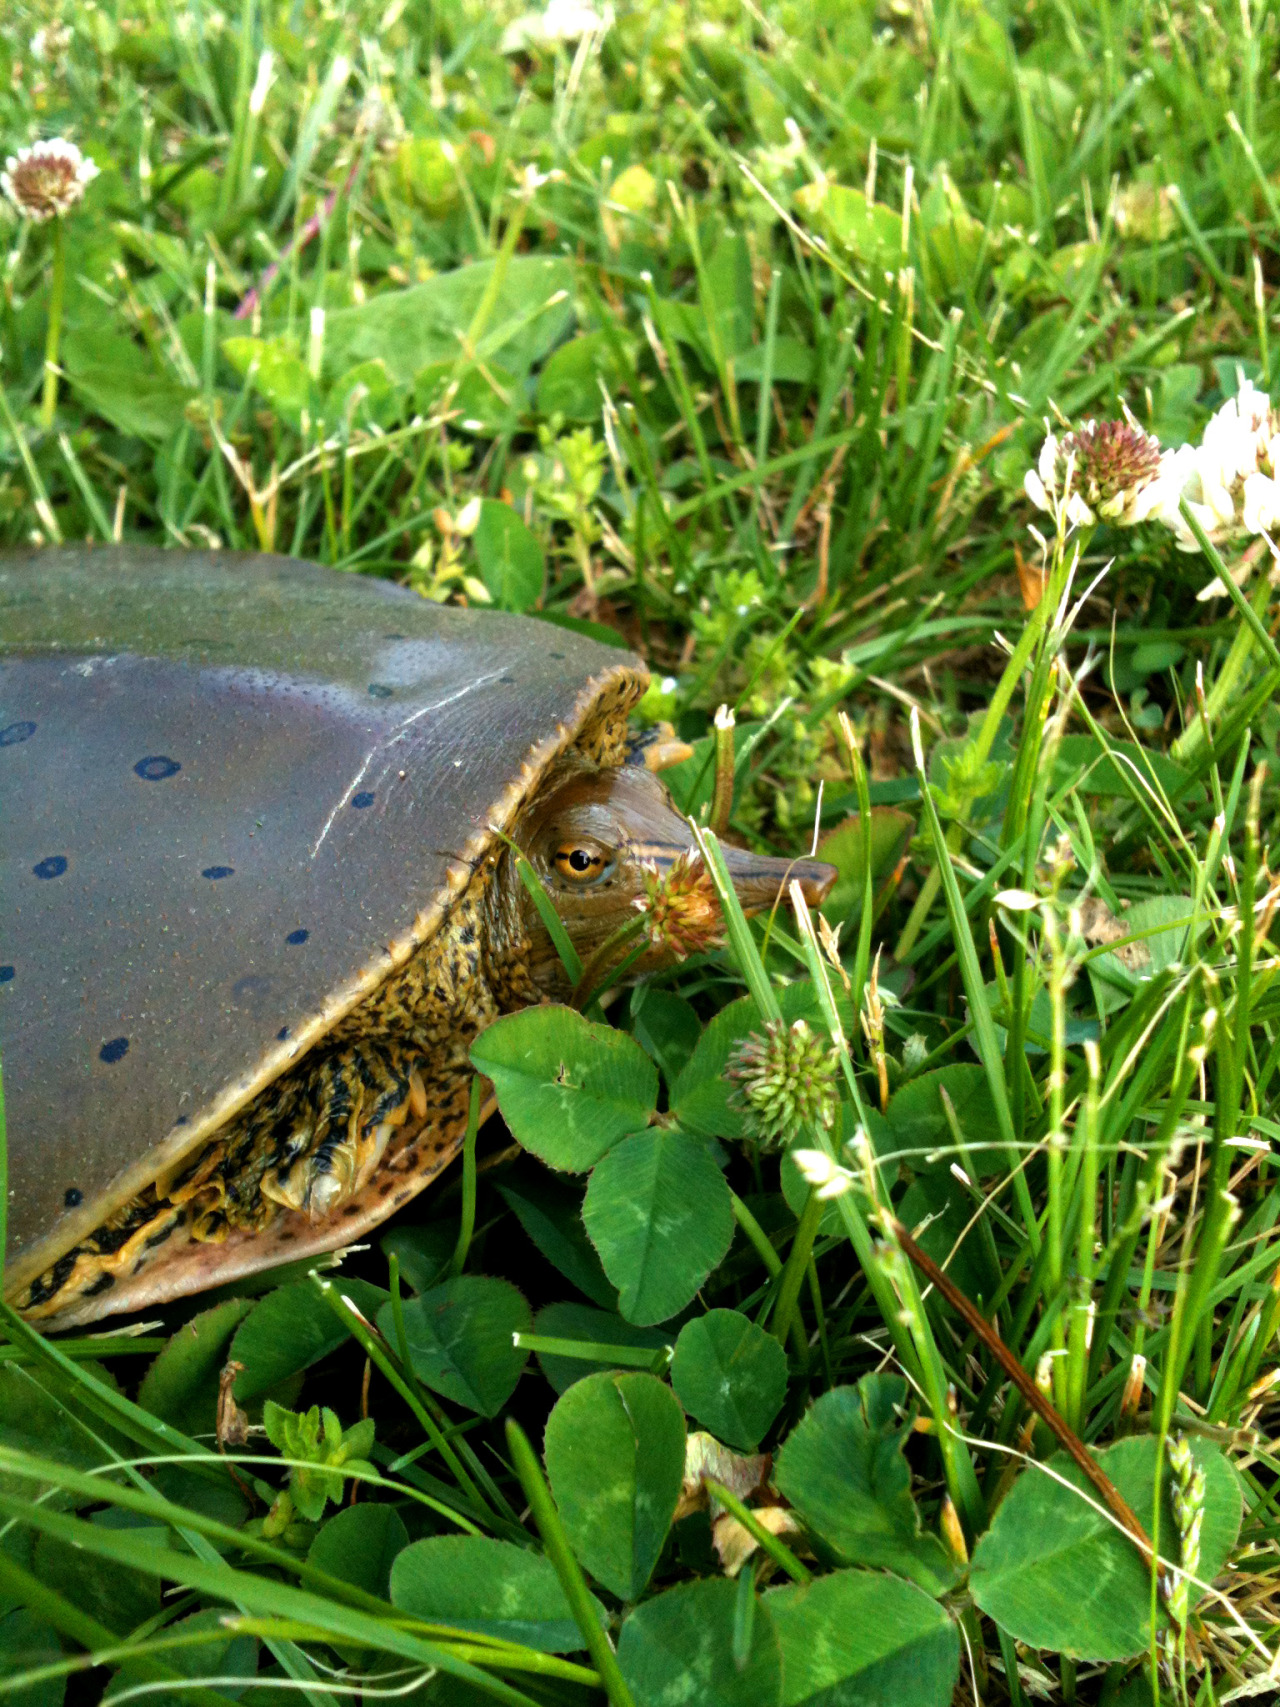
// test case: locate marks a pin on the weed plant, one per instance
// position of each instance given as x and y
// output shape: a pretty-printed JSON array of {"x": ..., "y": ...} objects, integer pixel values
[{"x": 729, "y": 333}]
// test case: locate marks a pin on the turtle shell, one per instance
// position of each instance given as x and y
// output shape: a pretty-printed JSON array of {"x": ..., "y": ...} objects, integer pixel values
[{"x": 236, "y": 792}]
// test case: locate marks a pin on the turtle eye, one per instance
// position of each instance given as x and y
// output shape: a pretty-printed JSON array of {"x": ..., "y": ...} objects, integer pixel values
[{"x": 580, "y": 864}]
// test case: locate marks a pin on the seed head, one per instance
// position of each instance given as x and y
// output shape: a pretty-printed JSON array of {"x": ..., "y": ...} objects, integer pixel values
[
  {"x": 786, "y": 1081},
  {"x": 1188, "y": 1511},
  {"x": 681, "y": 911},
  {"x": 1110, "y": 469},
  {"x": 1114, "y": 461},
  {"x": 48, "y": 179}
]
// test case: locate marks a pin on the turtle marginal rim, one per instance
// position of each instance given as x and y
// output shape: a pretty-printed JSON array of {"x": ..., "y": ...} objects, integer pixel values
[{"x": 628, "y": 678}]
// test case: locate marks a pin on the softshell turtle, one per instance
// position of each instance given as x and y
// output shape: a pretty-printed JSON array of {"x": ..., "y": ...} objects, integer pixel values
[{"x": 255, "y": 905}]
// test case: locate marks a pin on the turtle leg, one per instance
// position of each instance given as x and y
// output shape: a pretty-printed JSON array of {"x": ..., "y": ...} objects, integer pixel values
[{"x": 356, "y": 1099}]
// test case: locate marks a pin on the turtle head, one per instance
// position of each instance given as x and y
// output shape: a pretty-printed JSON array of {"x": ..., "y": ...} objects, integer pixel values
[{"x": 607, "y": 843}]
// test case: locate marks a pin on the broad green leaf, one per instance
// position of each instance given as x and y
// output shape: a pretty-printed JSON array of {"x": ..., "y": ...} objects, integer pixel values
[
  {"x": 1122, "y": 768},
  {"x": 919, "y": 1123},
  {"x": 276, "y": 370},
  {"x": 44, "y": 1412},
  {"x": 366, "y": 392},
  {"x": 122, "y": 381},
  {"x": 953, "y": 238},
  {"x": 1056, "y": 1572},
  {"x": 290, "y": 1329},
  {"x": 731, "y": 293},
  {"x": 863, "y": 1639},
  {"x": 424, "y": 323},
  {"x": 599, "y": 1327},
  {"x": 359, "y": 1544},
  {"x": 666, "y": 1026},
  {"x": 181, "y": 1386},
  {"x": 1037, "y": 1025},
  {"x": 678, "y": 1649},
  {"x": 614, "y": 1449},
  {"x": 792, "y": 362},
  {"x": 568, "y": 1087},
  {"x": 27, "y": 1642},
  {"x": 1117, "y": 974},
  {"x": 120, "y": 1597},
  {"x": 846, "y": 218},
  {"x": 477, "y": 400},
  {"x": 229, "y": 1656},
  {"x": 569, "y": 383},
  {"x": 492, "y": 1587},
  {"x": 459, "y": 1339},
  {"x": 731, "y": 1375},
  {"x": 511, "y": 563},
  {"x": 427, "y": 173},
  {"x": 222, "y": 1499},
  {"x": 795, "y": 1187},
  {"x": 659, "y": 1212},
  {"x": 948, "y": 1232},
  {"x": 551, "y": 1214},
  {"x": 423, "y": 1252},
  {"x": 891, "y": 830},
  {"x": 843, "y": 1470}
]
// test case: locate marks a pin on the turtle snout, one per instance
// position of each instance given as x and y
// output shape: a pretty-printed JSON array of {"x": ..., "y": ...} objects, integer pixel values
[{"x": 760, "y": 880}]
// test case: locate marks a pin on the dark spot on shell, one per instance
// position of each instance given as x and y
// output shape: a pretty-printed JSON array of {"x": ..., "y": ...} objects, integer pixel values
[
  {"x": 54, "y": 866},
  {"x": 6, "y": 974},
  {"x": 386, "y": 1186},
  {"x": 393, "y": 637},
  {"x": 115, "y": 1049},
  {"x": 250, "y": 989},
  {"x": 282, "y": 1034},
  {"x": 380, "y": 690},
  {"x": 157, "y": 768},
  {"x": 352, "y": 1209},
  {"x": 181, "y": 1120},
  {"x": 214, "y": 872},
  {"x": 286, "y": 1238},
  {"x": 555, "y": 655},
  {"x": 73, "y": 1197},
  {"x": 506, "y": 681},
  {"x": 295, "y": 937},
  {"x": 363, "y": 799},
  {"x": 16, "y": 733}
]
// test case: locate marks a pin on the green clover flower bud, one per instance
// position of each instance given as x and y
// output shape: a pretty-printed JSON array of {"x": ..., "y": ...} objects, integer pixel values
[{"x": 786, "y": 1081}]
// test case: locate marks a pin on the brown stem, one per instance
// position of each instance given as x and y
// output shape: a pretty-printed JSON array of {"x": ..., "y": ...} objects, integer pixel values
[
  {"x": 1106, "y": 1488},
  {"x": 311, "y": 229}
]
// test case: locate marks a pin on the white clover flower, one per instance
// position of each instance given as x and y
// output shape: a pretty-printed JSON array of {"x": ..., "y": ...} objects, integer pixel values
[
  {"x": 48, "y": 179},
  {"x": 50, "y": 42},
  {"x": 1111, "y": 470},
  {"x": 1231, "y": 479},
  {"x": 1040, "y": 481},
  {"x": 1049, "y": 485},
  {"x": 1261, "y": 495},
  {"x": 561, "y": 21},
  {"x": 818, "y": 1170}
]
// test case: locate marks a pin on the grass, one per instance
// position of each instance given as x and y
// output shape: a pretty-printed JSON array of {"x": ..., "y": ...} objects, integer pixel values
[{"x": 774, "y": 305}]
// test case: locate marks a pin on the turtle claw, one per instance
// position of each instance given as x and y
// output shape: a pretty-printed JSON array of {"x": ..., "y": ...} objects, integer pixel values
[
  {"x": 417, "y": 1095},
  {"x": 326, "y": 1193},
  {"x": 289, "y": 1189}
]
